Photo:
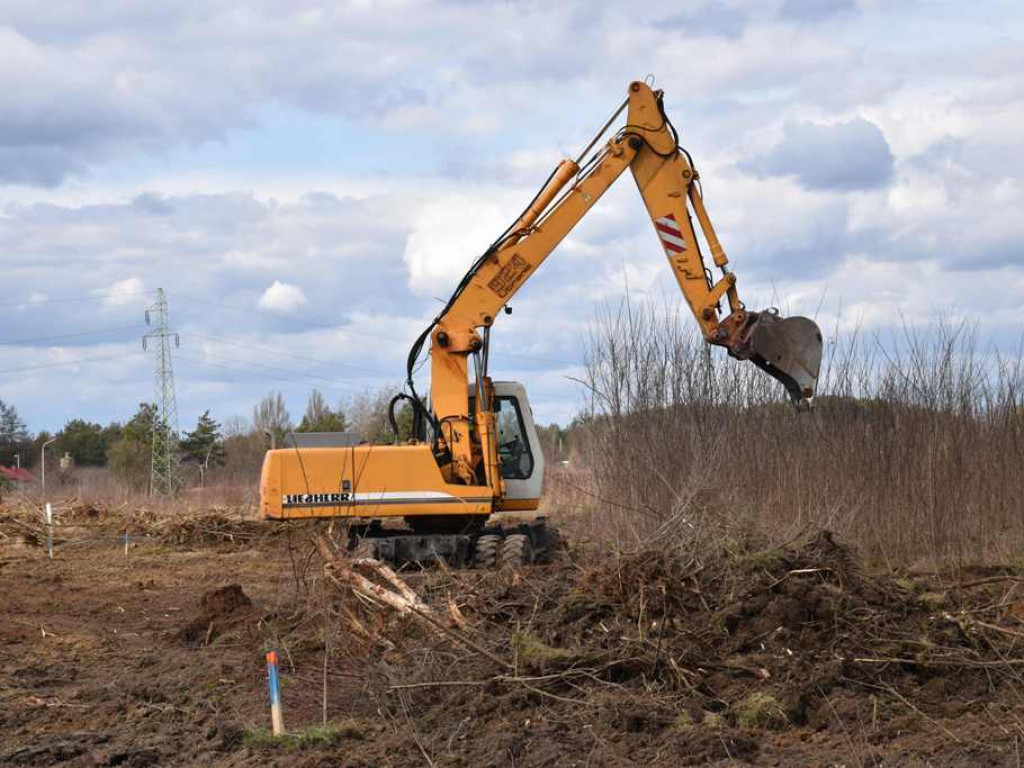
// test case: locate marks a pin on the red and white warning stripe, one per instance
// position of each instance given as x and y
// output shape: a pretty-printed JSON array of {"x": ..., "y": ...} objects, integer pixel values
[{"x": 670, "y": 233}]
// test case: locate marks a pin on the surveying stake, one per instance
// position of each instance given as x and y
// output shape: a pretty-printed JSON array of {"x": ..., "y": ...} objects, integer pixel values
[{"x": 275, "y": 694}]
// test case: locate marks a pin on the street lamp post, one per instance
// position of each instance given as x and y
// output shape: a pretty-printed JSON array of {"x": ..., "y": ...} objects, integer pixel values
[{"x": 42, "y": 461}]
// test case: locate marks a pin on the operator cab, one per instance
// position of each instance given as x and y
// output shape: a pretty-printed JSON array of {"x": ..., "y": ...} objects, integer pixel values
[{"x": 522, "y": 460}]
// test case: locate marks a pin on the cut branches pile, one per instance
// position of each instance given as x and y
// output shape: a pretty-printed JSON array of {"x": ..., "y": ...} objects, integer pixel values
[{"x": 395, "y": 594}]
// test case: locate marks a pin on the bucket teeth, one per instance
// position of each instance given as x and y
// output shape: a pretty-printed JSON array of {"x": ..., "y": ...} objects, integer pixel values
[{"x": 788, "y": 349}]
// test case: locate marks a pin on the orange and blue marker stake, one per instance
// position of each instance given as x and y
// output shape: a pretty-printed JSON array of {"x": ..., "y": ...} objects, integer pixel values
[{"x": 275, "y": 694}]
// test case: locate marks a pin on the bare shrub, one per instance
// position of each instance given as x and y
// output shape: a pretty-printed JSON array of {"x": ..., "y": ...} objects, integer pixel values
[{"x": 913, "y": 449}]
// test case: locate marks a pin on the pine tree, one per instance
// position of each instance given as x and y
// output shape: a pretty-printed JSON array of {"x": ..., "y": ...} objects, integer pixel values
[
  {"x": 130, "y": 456},
  {"x": 140, "y": 427},
  {"x": 14, "y": 436},
  {"x": 84, "y": 441},
  {"x": 204, "y": 445}
]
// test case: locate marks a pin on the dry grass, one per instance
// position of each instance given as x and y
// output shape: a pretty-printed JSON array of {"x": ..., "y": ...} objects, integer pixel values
[
  {"x": 913, "y": 452},
  {"x": 100, "y": 485}
]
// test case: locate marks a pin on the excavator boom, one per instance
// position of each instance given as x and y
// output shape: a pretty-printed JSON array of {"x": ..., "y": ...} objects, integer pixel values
[{"x": 648, "y": 145}]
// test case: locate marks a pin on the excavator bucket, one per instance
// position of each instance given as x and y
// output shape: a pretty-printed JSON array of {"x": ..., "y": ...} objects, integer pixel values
[{"x": 788, "y": 349}]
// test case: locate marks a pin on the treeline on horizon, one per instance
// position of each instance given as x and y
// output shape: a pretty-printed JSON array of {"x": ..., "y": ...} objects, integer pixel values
[{"x": 237, "y": 444}]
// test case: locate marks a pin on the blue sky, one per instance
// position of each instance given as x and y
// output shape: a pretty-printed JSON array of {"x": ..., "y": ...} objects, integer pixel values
[{"x": 306, "y": 180}]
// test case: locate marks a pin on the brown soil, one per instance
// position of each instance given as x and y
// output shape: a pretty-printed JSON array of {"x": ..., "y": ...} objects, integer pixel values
[{"x": 790, "y": 657}]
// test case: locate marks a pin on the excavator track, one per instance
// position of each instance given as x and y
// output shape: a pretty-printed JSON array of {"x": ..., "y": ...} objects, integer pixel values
[{"x": 487, "y": 548}]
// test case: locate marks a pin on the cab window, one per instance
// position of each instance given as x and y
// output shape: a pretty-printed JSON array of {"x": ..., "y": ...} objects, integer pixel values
[{"x": 513, "y": 447}]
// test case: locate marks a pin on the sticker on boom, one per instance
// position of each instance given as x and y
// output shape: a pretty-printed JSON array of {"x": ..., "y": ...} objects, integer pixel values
[
  {"x": 670, "y": 233},
  {"x": 509, "y": 275}
]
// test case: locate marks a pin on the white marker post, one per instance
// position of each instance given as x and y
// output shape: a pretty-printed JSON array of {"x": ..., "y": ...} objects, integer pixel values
[{"x": 49, "y": 529}]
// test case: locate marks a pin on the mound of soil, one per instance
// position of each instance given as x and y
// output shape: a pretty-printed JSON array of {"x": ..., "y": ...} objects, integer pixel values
[{"x": 219, "y": 609}]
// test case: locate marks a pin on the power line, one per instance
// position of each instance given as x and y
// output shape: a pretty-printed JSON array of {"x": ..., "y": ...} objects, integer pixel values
[
  {"x": 71, "y": 335},
  {"x": 69, "y": 362},
  {"x": 290, "y": 379},
  {"x": 278, "y": 370},
  {"x": 553, "y": 361},
  {"x": 261, "y": 374},
  {"x": 272, "y": 350},
  {"x": 259, "y": 312},
  {"x": 61, "y": 300},
  {"x": 99, "y": 358},
  {"x": 346, "y": 328},
  {"x": 291, "y": 318},
  {"x": 230, "y": 342}
]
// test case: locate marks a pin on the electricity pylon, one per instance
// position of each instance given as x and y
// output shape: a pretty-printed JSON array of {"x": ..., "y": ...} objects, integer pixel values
[{"x": 165, "y": 420}]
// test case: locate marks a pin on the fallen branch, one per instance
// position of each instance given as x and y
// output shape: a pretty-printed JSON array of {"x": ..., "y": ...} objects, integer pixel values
[
  {"x": 379, "y": 568},
  {"x": 968, "y": 622},
  {"x": 404, "y": 601},
  {"x": 462, "y": 639},
  {"x": 982, "y": 582},
  {"x": 941, "y": 662}
]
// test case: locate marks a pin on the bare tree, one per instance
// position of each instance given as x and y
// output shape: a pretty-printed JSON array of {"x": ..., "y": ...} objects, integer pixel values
[
  {"x": 368, "y": 415},
  {"x": 271, "y": 417},
  {"x": 319, "y": 417},
  {"x": 237, "y": 426}
]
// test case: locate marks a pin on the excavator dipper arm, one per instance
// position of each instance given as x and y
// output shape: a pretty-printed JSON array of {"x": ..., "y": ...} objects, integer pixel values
[{"x": 788, "y": 349}]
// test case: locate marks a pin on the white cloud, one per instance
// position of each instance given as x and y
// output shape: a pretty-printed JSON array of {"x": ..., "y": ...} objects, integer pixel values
[
  {"x": 282, "y": 297},
  {"x": 252, "y": 261},
  {"x": 123, "y": 293},
  {"x": 448, "y": 234}
]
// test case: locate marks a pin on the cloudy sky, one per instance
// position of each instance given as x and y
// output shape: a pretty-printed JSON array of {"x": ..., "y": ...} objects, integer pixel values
[{"x": 305, "y": 180}]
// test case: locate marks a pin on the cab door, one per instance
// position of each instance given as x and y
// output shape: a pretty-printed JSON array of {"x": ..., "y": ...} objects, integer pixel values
[{"x": 522, "y": 461}]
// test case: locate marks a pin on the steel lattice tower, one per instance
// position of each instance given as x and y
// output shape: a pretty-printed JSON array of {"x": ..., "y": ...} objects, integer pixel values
[{"x": 165, "y": 423}]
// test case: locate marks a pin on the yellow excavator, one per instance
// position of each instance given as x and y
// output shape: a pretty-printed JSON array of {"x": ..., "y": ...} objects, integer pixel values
[{"x": 474, "y": 451}]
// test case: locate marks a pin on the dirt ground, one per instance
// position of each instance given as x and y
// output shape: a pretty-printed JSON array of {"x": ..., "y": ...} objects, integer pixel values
[{"x": 786, "y": 657}]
